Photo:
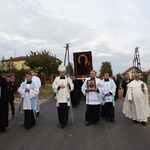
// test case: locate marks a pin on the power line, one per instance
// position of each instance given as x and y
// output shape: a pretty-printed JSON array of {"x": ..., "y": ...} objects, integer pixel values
[
  {"x": 23, "y": 10},
  {"x": 40, "y": 17},
  {"x": 49, "y": 19},
  {"x": 34, "y": 16}
]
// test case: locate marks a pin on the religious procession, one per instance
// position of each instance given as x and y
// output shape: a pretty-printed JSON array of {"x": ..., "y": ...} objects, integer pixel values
[{"x": 99, "y": 94}]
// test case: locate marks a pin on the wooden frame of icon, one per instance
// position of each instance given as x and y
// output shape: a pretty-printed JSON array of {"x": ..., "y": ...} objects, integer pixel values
[
  {"x": 91, "y": 85},
  {"x": 82, "y": 64}
]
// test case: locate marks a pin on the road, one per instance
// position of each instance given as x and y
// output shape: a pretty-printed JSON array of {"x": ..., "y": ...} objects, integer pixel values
[{"x": 123, "y": 134}]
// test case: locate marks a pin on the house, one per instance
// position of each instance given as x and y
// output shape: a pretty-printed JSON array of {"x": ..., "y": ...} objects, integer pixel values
[
  {"x": 131, "y": 71},
  {"x": 17, "y": 62}
]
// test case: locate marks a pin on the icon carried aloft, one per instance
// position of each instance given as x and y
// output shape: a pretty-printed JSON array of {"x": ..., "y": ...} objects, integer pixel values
[{"x": 82, "y": 64}]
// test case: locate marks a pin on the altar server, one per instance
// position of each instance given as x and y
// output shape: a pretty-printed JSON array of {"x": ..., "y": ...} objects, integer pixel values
[{"x": 28, "y": 92}]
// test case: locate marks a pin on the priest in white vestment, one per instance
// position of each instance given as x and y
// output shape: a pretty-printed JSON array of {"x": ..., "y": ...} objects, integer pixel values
[
  {"x": 108, "y": 112},
  {"x": 28, "y": 93},
  {"x": 37, "y": 85},
  {"x": 93, "y": 98},
  {"x": 136, "y": 104},
  {"x": 62, "y": 86}
]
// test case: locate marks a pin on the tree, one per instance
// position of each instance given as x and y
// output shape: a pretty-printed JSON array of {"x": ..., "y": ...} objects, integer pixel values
[
  {"x": 43, "y": 62},
  {"x": 119, "y": 76},
  {"x": 18, "y": 74},
  {"x": 106, "y": 68},
  {"x": 69, "y": 68},
  {"x": 144, "y": 77}
]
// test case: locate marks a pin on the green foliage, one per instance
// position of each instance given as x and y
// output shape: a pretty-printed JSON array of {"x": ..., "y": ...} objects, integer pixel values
[
  {"x": 119, "y": 76},
  {"x": 106, "y": 68},
  {"x": 43, "y": 62},
  {"x": 18, "y": 74},
  {"x": 45, "y": 91},
  {"x": 144, "y": 77}
]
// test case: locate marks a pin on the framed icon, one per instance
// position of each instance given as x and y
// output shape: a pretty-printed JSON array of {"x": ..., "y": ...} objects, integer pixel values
[
  {"x": 91, "y": 85},
  {"x": 82, "y": 64}
]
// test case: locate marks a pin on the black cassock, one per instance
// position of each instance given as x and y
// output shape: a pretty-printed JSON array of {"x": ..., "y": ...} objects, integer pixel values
[
  {"x": 12, "y": 88},
  {"x": 29, "y": 119},
  {"x": 63, "y": 111},
  {"x": 75, "y": 94},
  {"x": 124, "y": 86},
  {"x": 107, "y": 110},
  {"x": 3, "y": 104}
]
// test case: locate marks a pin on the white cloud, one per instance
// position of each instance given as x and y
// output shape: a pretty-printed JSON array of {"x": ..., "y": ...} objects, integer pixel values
[{"x": 110, "y": 29}]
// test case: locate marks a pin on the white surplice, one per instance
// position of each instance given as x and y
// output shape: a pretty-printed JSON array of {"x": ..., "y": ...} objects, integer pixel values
[
  {"x": 109, "y": 86},
  {"x": 92, "y": 97},
  {"x": 28, "y": 96},
  {"x": 63, "y": 94}
]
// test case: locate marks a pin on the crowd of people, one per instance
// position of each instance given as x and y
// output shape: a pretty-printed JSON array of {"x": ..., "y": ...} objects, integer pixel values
[
  {"x": 28, "y": 90},
  {"x": 99, "y": 94}
]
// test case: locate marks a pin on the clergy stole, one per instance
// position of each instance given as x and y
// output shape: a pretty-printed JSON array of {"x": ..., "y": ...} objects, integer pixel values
[
  {"x": 23, "y": 85},
  {"x": 62, "y": 93}
]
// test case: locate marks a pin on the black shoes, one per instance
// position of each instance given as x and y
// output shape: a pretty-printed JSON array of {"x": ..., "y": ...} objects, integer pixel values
[
  {"x": 88, "y": 124},
  {"x": 95, "y": 123},
  {"x": 38, "y": 114},
  {"x": 135, "y": 121},
  {"x": 62, "y": 125},
  {"x": 3, "y": 129},
  {"x": 111, "y": 119},
  {"x": 143, "y": 123}
]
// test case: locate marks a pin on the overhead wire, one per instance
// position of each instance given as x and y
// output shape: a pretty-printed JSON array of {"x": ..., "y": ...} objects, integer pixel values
[
  {"x": 25, "y": 12},
  {"x": 42, "y": 22},
  {"x": 40, "y": 17},
  {"x": 52, "y": 22},
  {"x": 29, "y": 16},
  {"x": 36, "y": 18}
]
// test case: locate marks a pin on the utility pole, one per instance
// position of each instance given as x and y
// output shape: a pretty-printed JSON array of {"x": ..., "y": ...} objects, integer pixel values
[
  {"x": 15, "y": 52},
  {"x": 67, "y": 52},
  {"x": 136, "y": 61}
]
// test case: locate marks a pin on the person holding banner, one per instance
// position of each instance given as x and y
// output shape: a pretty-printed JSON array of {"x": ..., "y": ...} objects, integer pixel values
[{"x": 62, "y": 86}]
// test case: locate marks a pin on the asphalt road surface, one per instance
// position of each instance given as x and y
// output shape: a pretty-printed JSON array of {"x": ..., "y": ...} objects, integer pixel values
[{"x": 123, "y": 134}]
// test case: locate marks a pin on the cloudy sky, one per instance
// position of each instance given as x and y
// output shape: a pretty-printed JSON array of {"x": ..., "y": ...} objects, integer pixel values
[{"x": 111, "y": 29}]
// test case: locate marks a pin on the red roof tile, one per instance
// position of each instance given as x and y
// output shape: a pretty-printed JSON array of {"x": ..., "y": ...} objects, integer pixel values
[{"x": 16, "y": 58}]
